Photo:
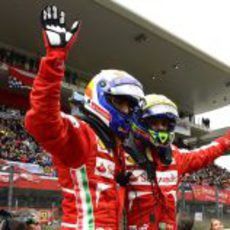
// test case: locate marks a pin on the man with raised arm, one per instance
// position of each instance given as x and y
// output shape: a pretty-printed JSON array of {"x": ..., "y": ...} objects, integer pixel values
[{"x": 90, "y": 145}]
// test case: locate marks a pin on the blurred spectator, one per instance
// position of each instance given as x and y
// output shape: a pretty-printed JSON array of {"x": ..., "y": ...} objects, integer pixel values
[
  {"x": 185, "y": 222},
  {"x": 8, "y": 223},
  {"x": 33, "y": 225},
  {"x": 191, "y": 117},
  {"x": 206, "y": 122},
  {"x": 4, "y": 215},
  {"x": 216, "y": 225},
  {"x": 31, "y": 218},
  {"x": 12, "y": 225}
]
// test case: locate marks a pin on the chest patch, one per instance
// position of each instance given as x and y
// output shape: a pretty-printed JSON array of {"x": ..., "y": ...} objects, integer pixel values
[
  {"x": 167, "y": 178},
  {"x": 104, "y": 168},
  {"x": 139, "y": 177}
]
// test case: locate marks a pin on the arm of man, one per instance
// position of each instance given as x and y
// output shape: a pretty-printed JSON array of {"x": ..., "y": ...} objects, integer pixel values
[
  {"x": 196, "y": 159},
  {"x": 62, "y": 135}
]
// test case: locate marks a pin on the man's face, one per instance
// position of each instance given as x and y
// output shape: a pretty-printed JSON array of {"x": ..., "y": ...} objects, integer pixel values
[
  {"x": 122, "y": 103},
  {"x": 158, "y": 124}
]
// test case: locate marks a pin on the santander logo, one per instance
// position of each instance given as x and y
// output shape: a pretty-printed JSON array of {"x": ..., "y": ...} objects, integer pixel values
[
  {"x": 139, "y": 177},
  {"x": 167, "y": 178}
]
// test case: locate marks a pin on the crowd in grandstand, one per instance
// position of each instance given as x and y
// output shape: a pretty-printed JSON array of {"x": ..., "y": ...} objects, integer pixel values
[
  {"x": 15, "y": 143},
  {"x": 212, "y": 175}
]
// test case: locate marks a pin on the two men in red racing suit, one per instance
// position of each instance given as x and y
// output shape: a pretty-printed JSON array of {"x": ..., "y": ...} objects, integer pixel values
[{"x": 91, "y": 148}]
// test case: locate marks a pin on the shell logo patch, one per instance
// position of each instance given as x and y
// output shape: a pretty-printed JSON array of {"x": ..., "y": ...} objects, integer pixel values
[{"x": 104, "y": 168}]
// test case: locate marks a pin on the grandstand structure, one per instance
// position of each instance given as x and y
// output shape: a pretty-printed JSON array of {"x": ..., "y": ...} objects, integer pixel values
[{"x": 114, "y": 37}]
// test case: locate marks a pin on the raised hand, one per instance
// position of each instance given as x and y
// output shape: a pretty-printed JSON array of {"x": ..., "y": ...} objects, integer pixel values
[{"x": 55, "y": 33}]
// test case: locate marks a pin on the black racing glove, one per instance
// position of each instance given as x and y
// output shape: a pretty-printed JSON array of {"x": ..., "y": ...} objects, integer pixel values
[
  {"x": 165, "y": 154},
  {"x": 55, "y": 33}
]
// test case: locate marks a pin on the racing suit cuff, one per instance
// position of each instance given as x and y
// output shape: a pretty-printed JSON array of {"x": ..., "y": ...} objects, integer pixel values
[
  {"x": 52, "y": 66},
  {"x": 60, "y": 53}
]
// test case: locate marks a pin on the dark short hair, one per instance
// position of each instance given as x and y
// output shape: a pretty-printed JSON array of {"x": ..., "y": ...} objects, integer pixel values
[
  {"x": 4, "y": 214},
  {"x": 31, "y": 221}
]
